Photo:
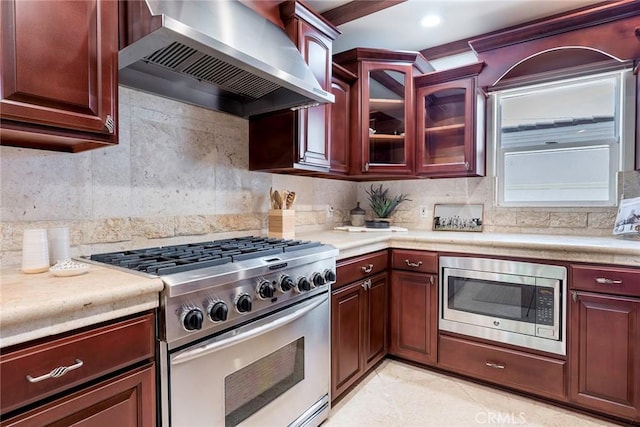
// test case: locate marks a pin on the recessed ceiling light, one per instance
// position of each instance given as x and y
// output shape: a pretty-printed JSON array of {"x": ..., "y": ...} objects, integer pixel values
[{"x": 430, "y": 21}]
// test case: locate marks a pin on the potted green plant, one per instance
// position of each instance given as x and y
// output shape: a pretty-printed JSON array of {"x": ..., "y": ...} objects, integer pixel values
[{"x": 383, "y": 205}]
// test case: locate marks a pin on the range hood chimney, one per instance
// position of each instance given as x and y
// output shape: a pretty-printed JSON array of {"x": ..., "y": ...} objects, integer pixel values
[{"x": 217, "y": 54}]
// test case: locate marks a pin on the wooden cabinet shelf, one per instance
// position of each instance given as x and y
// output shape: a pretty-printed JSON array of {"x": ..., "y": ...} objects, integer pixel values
[
  {"x": 446, "y": 128},
  {"x": 386, "y": 136}
]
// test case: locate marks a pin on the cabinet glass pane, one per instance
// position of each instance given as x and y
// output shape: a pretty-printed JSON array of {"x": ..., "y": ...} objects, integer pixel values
[
  {"x": 386, "y": 117},
  {"x": 444, "y": 126}
]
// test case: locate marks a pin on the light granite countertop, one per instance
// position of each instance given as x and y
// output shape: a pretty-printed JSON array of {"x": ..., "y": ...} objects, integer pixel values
[
  {"x": 606, "y": 250},
  {"x": 38, "y": 305}
]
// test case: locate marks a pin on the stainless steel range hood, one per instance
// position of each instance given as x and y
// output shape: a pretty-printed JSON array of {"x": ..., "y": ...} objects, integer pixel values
[{"x": 217, "y": 54}]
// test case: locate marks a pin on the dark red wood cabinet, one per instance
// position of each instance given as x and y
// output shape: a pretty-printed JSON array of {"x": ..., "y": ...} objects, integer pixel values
[
  {"x": 605, "y": 340},
  {"x": 382, "y": 110},
  {"x": 342, "y": 81},
  {"x": 59, "y": 74},
  {"x": 297, "y": 141},
  {"x": 450, "y": 117},
  {"x": 359, "y": 323},
  {"x": 110, "y": 375},
  {"x": 414, "y": 306}
]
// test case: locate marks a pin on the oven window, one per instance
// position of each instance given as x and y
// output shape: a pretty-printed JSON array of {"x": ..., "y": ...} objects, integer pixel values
[
  {"x": 255, "y": 386},
  {"x": 493, "y": 299}
]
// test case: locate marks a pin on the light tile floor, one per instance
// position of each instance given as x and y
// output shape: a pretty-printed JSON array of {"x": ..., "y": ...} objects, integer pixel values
[{"x": 397, "y": 394}]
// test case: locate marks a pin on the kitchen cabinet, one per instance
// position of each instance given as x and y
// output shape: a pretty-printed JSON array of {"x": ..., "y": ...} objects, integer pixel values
[
  {"x": 359, "y": 310},
  {"x": 342, "y": 81},
  {"x": 450, "y": 137},
  {"x": 298, "y": 140},
  {"x": 536, "y": 374},
  {"x": 59, "y": 74},
  {"x": 382, "y": 110},
  {"x": 101, "y": 371},
  {"x": 605, "y": 340},
  {"x": 414, "y": 305}
]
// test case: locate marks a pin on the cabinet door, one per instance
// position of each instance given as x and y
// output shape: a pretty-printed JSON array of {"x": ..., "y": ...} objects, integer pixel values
[
  {"x": 375, "y": 323},
  {"x": 340, "y": 126},
  {"x": 59, "y": 66},
  {"x": 446, "y": 120},
  {"x": 347, "y": 316},
  {"x": 127, "y": 400},
  {"x": 414, "y": 316},
  {"x": 605, "y": 354},
  {"x": 313, "y": 123},
  {"x": 637, "y": 71},
  {"x": 387, "y": 126}
]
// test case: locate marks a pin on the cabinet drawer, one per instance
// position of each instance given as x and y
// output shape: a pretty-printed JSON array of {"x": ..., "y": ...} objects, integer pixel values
[
  {"x": 424, "y": 262},
  {"x": 611, "y": 280},
  {"x": 353, "y": 269},
  {"x": 86, "y": 355},
  {"x": 536, "y": 374}
]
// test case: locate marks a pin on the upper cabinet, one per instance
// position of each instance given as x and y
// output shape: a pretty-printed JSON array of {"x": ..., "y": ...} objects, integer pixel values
[
  {"x": 342, "y": 82},
  {"x": 382, "y": 110},
  {"x": 58, "y": 74},
  {"x": 450, "y": 135},
  {"x": 298, "y": 140}
]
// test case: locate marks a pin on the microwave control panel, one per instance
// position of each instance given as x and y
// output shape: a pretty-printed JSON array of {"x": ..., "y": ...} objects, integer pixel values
[{"x": 544, "y": 306}]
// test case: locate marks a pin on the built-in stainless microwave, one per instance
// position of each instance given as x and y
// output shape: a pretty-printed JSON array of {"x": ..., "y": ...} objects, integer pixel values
[{"x": 517, "y": 303}]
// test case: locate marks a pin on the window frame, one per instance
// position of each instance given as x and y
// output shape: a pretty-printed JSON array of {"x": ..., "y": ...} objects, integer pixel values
[{"x": 621, "y": 155}]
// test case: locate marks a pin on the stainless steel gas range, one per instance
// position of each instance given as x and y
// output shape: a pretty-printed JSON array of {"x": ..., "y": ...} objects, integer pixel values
[{"x": 243, "y": 330}]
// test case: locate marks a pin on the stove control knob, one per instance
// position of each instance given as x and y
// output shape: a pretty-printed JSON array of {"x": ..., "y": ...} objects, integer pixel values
[
  {"x": 318, "y": 280},
  {"x": 192, "y": 319},
  {"x": 286, "y": 284},
  {"x": 266, "y": 290},
  {"x": 329, "y": 276},
  {"x": 303, "y": 285},
  {"x": 218, "y": 311},
  {"x": 243, "y": 303}
]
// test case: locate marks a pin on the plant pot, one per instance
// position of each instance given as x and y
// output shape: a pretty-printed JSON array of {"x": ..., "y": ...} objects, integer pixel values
[{"x": 378, "y": 223}]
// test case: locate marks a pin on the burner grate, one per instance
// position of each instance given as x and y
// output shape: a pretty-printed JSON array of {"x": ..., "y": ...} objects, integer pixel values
[{"x": 164, "y": 260}]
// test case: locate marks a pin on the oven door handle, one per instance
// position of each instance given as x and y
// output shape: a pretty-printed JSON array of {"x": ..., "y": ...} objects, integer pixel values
[{"x": 269, "y": 325}]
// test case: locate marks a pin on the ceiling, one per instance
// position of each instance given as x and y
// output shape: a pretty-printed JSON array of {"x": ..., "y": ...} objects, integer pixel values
[{"x": 398, "y": 27}]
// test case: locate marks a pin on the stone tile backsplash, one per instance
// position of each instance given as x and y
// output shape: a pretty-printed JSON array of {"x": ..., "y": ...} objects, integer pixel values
[{"x": 180, "y": 173}]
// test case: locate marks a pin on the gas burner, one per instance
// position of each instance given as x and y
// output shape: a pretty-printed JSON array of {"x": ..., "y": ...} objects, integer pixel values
[{"x": 166, "y": 260}]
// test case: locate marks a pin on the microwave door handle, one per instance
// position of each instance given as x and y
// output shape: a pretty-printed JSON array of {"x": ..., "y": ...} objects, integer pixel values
[{"x": 269, "y": 326}]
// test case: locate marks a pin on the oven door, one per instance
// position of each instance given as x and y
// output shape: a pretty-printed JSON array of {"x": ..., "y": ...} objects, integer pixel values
[{"x": 274, "y": 371}]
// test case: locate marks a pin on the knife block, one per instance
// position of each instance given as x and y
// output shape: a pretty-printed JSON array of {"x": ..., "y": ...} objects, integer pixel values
[{"x": 282, "y": 223}]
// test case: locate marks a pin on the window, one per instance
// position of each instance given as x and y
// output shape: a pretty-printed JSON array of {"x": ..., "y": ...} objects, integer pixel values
[{"x": 560, "y": 143}]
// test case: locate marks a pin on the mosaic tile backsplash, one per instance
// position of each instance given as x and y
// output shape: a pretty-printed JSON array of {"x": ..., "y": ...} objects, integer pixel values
[{"x": 180, "y": 173}]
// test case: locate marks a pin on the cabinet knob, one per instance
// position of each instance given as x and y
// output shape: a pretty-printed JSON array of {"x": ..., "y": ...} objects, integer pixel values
[
  {"x": 366, "y": 284},
  {"x": 110, "y": 124},
  {"x": 366, "y": 167},
  {"x": 467, "y": 166},
  {"x": 367, "y": 269}
]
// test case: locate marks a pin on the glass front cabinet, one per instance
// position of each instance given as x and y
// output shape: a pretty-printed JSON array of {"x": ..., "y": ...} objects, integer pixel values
[
  {"x": 383, "y": 140},
  {"x": 450, "y": 134}
]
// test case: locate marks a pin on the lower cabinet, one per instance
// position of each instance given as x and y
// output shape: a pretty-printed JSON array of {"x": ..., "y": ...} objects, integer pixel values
[
  {"x": 605, "y": 340},
  {"x": 414, "y": 316},
  {"x": 99, "y": 375},
  {"x": 359, "y": 312},
  {"x": 125, "y": 401},
  {"x": 539, "y": 375}
]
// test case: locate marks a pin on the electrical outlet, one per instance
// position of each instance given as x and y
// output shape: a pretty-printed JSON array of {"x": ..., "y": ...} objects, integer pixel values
[
  {"x": 329, "y": 211},
  {"x": 423, "y": 212}
]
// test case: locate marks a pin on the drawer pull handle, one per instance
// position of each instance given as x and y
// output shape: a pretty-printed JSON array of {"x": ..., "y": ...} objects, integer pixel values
[
  {"x": 607, "y": 281},
  {"x": 367, "y": 269},
  {"x": 413, "y": 264},
  {"x": 494, "y": 365},
  {"x": 55, "y": 373}
]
